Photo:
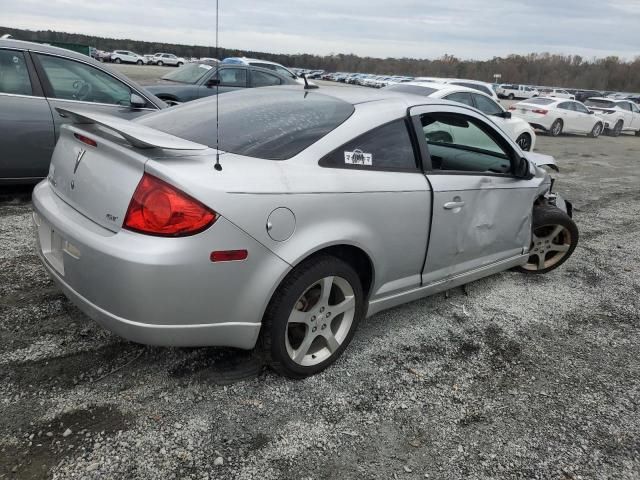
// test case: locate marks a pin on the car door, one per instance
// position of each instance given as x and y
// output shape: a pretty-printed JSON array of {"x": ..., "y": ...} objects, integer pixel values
[
  {"x": 70, "y": 83},
  {"x": 636, "y": 116},
  {"x": 584, "y": 118},
  {"x": 26, "y": 125},
  {"x": 229, "y": 78},
  {"x": 568, "y": 116},
  {"x": 481, "y": 211},
  {"x": 628, "y": 114}
]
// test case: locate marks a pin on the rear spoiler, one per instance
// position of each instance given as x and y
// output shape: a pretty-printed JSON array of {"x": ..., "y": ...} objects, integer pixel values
[{"x": 138, "y": 135}]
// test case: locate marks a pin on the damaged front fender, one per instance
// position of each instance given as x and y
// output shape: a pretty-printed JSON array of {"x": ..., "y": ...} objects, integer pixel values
[{"x": 541, "y": 160}]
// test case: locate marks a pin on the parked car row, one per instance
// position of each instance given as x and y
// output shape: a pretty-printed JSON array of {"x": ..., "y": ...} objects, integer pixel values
[
  {"x": 595, "y": 116},
  {"x": 127, "y": 56}
]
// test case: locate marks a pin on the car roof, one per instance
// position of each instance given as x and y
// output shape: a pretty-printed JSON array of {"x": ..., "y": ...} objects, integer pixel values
[
  {"x": 444, "y": 86},
  {"x": 357, "y": 96}
]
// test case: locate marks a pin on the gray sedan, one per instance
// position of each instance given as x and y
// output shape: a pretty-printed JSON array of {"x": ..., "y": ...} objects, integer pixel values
[
  {"x": 319, "y": 208},
  {"x": 34, "y": 80},
  {"x": 201, "y": 79}
]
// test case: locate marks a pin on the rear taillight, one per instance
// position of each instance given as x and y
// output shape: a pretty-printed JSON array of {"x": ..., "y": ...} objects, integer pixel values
[
  {"x": 541, "y": 111},
  {"x": 158, "y": 208}
]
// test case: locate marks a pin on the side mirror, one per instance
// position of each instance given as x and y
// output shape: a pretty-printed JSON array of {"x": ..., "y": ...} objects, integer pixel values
[
  {"x": 506, "y": 115},
  {"x": 523, "y": 169},
  {"x": 137, "y": 101},
  {"x": 212, "y": 82}
]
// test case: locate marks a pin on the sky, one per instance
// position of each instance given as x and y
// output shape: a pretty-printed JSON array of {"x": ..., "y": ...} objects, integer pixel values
[{"x": 468, "y": 29}]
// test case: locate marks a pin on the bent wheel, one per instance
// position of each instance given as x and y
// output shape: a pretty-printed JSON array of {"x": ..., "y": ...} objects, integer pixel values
[
  {"x": 312, "y": 317},
  {"x": 617, "y": 130},
  {"x": 554, "y": 237}
]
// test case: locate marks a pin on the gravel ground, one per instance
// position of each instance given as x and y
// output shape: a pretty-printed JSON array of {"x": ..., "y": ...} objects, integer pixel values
[{"x": 518, "y": 377}]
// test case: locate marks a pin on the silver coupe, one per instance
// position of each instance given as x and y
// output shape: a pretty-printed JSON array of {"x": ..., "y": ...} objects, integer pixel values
[{"x": 316, "y": 209}]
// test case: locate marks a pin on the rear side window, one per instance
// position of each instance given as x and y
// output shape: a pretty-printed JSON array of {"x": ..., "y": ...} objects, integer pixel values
[
  {"x": 14, "y": 77},
  {"x": 273, "y": 124},
  {"x": 233, "y": 77},
  {"x": 384, "y": 148}
]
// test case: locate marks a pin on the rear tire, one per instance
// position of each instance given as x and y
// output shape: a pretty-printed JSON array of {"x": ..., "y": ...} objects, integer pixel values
[
  {"x": 139, "y": 62},
  {"x": 556, "y": 128},
  {"x": 117, "y": 60},
  {"x": 159, "y": 63},
  {"x": 180, "y": 64},
  {"x": 300, "y": 335},
  {"x": 554, "y": 237},
  {"x": 596, "y": 130}
]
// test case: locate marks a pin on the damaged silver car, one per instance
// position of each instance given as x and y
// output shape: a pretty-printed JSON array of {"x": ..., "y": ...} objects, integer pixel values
[{"x": 307, "y": 212}]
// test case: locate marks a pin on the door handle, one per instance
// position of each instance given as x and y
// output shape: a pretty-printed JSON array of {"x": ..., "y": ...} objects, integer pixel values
[
  {"x": 453, "y": 205},
  {"x": 63, "y": 115}
]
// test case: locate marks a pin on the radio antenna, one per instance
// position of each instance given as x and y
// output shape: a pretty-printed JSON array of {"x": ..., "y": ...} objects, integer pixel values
[{"x": 217, "y": 166}]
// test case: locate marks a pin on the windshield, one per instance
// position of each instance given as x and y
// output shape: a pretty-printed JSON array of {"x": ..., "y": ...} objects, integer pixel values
[
  {"x": 271, "y": 122},
  {"x": 415, "y": 89},
  {"x": 190, "y": 73},
  {"x": 592, "y": 102}
]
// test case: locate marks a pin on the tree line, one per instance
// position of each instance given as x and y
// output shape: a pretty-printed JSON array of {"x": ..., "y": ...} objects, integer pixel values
[{"x": 570, "y": 71}]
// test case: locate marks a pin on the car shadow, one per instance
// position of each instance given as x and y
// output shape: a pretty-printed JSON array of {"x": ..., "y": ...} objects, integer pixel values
[{"x": 15, "y": 193}]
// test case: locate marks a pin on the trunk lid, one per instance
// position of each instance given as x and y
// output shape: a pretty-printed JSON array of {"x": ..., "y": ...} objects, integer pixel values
[{"x": 97, "y": 166}]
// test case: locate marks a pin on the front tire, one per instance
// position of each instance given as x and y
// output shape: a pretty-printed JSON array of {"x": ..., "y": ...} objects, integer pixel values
[
  {"x": 312, "y": 317},
  {"x": 511, "y": 96},
  {"x": 180, "y": 64},
  {"x": 117, "y": 60},
  {"x": 554, "y": 237},
  {"x": 556, "y": 128},
  {"x": 617, "y": 129},
  {"x": 596, "y": 130},
  {"x": 524, "y": 142},
  {"x": 139, "y": 62},
  {"x": 160, "y": 63}
]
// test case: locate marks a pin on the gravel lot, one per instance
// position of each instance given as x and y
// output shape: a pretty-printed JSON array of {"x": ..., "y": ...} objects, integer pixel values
[{"x": 519, "y": 377}]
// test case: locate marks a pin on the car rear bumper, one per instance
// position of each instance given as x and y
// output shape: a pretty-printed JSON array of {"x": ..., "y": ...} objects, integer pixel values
[{"x": 154, "y": 290}]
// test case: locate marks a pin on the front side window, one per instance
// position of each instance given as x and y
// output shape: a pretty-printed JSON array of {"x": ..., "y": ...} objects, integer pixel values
[
  {"x": 634, "y": 108},
  {"x": 233, "y": 77},
  {"x": 460, "y": 97},
  {"x": 384, "y": 148},
  {"x": 486, "y": 105},
  {"x": 580, "y": 108},
  {"x": 262, "y": 79},
  {"x": 14, "y": 76},
  {"x": 625, "y": 106},
  {"x": 71, "y": 80},
  {"x": 464, "y": 144}
]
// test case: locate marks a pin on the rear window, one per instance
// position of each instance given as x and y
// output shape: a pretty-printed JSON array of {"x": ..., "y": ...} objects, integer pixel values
[
  {"x": 541, "y": 101},
  {"x": 271, "y": 123},
  {"x": 599, "y": 103},
  {"x": 415, "y": 89}
]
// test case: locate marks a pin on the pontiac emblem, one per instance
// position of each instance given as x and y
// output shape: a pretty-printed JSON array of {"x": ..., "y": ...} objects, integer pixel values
[{"x": 79, "y": 159}]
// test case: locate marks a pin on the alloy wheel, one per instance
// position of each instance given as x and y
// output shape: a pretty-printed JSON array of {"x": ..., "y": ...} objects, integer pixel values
[
  {"x": 524, "y": 142},
  {"x": 549, "y": 245},
  {"x": 320, "y": 321}
]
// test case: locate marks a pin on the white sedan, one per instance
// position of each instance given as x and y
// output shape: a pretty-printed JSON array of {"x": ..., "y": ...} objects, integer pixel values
[
  {"x": 557, "y": 115},
  {"x": 518, "y": 130}
]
